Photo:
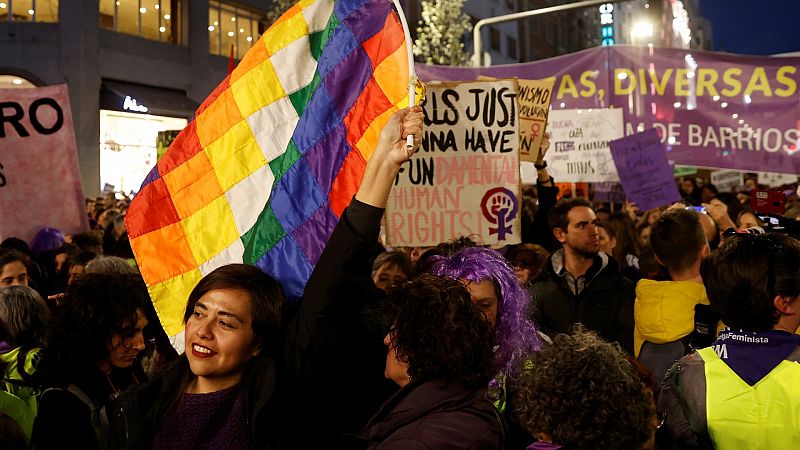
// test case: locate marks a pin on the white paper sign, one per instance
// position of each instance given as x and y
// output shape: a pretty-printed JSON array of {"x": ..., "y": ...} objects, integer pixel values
[
  {"x": 725, "y": 180},
  {"x": 579, "y": 149},
  {"x": 772, "y": 179}
]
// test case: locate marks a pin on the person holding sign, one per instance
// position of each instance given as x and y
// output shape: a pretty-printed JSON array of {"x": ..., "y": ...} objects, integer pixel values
[
  {"x": 342, "y": 318},
  {"x": 538, "y": 230}
]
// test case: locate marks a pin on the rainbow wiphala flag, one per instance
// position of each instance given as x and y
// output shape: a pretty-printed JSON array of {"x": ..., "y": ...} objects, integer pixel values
[{"x": 274, "y": 154}]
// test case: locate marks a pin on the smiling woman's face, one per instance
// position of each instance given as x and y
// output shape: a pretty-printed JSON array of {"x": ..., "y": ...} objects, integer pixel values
[{"x": 219, "y": 339}]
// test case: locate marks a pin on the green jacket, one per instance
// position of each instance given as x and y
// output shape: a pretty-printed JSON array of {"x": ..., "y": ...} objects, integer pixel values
[{"x": 17, "y": 399}]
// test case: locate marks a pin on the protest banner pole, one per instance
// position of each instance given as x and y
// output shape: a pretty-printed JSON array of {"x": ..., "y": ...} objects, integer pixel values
[{"x": 412, "y": 77}]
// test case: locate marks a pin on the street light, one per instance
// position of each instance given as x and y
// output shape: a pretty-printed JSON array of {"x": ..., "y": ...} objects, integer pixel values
[
  {"x": 642, "y": 31},
  {"x": 477, "y": 44}
]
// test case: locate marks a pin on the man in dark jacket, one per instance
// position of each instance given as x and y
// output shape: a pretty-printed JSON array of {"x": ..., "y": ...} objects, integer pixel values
[{"x": 580, "y": 283}]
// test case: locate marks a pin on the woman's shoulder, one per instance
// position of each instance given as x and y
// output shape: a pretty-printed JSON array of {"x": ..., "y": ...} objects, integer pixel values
[{"x": 460, "y": 414}]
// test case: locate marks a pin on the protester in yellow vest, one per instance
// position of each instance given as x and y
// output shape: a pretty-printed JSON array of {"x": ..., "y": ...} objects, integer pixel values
[
  {"x": 743, "y": 391},
  {"x": 24, "y": 319}
]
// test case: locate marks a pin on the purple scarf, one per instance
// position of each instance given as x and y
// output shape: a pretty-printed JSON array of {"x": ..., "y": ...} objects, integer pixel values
[
  {"x": 753, "y": 355},
  {"x": 5, "y": 348}
]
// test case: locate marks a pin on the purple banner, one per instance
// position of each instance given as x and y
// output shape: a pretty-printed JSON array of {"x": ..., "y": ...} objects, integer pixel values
[
  {"x": 643, "y": 170},
  {"x": 713, "y": 110}
]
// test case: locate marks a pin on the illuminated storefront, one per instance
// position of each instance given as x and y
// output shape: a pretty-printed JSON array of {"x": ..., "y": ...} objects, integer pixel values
[{"x": 131, "y": 116}]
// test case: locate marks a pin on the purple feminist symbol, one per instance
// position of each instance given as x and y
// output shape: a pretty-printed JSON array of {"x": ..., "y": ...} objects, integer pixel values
[{"x": 499, "y": 206}]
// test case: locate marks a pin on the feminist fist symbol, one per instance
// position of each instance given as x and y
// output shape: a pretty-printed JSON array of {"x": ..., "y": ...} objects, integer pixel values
[{"x": 499, "y": 206}]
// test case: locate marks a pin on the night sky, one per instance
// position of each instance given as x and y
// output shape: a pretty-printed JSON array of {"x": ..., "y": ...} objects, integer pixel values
[{"x": 754, "y": 27}]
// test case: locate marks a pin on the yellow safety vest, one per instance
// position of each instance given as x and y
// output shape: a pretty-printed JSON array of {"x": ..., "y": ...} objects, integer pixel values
[{"x": 764, "y": 416}]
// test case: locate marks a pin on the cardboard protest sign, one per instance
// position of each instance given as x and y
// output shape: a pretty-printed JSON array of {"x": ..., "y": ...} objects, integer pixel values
[
  {"x": 40, "y": 182},
  {"x": 534, "y": 104},
  {"x": 725, "y": 180},
  {"x": 464, "y": 181},
  {"x": 579, "y": 144},
  {"x": 643, "y": 169}
]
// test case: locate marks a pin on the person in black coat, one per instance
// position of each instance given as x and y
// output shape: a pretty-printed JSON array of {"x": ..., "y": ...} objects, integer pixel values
[
  {"x": 89, "y": 359},
  {"x": 337, "y": 355},
  {"x": 440, "y": 354},
  {"x": 580, "y": 283}
]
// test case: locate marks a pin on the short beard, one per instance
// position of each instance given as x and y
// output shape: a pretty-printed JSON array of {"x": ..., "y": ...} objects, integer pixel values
[{"x": 583, "y": 253}]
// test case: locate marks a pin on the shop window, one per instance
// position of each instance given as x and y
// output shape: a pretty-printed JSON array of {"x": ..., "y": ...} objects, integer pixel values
[
  {"x": 231, "y": 28},
  {"x": 128, "y": 146},
  {"x": 29, "y": 10},
  {"x": 151, "y": 19}
]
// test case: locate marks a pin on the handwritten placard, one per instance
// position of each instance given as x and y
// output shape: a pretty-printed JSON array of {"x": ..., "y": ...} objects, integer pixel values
[
  {"x": 643, "y": 169},
  {"x": 726, "y": 180},
  {"x": 464, "y": 181},
  {"x": 534, "y": 104},
  {"x": 579, "y": 144}
]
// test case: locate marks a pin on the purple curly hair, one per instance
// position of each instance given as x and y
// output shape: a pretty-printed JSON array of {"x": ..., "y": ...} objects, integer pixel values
[{"x": 515, "y": 334}]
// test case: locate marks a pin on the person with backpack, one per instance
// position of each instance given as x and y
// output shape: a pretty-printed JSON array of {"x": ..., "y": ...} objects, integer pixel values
[
  {"x": 664, "y": 311},
  {"x": 24, "y": 318},
  {"x": 90, "y": 358}
]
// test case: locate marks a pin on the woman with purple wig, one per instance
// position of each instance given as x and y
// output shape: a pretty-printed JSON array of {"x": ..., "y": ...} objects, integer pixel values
[{"x": 495, "y": 290}]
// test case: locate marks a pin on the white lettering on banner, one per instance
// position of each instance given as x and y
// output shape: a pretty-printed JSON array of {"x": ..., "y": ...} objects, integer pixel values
[
  {"x": 722, "y": 351},
  {"x": 131, "y": 105},
  {"x": 770, "y": 140}
]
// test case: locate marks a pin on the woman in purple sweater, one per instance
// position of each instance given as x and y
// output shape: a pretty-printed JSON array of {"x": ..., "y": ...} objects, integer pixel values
[{"x": 227, "y": 390}]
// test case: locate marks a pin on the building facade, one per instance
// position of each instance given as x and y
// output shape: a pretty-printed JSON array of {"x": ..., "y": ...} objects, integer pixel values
[
  {"x": 662, "y": 23},
  {"x": 133, "y": 68}
]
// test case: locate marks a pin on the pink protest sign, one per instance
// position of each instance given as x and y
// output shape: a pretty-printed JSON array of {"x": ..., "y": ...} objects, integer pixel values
[{"x": 40, "y": 182}]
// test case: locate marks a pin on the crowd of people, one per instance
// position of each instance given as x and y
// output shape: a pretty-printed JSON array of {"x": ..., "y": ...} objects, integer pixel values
[{"x": 666, "y": 329}]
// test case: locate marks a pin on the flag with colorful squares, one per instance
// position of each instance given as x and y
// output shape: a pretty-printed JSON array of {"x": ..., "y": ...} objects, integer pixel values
[{"x": 274, "y": 154}]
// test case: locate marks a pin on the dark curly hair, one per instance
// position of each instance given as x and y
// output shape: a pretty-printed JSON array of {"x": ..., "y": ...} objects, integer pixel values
[
  {"x": 95, "y": 308},
  {"x": 585, "y": 394},
  {"x": 438, "y": 332}
]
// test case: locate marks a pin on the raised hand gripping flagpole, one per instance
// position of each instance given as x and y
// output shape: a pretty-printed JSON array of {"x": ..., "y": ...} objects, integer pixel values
[{"x": 412, "y": 76}]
